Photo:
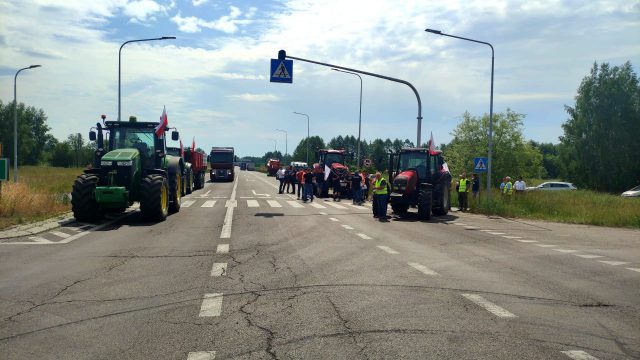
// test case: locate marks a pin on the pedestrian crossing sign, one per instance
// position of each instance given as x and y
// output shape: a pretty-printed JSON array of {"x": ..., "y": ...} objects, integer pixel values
[
  {"x": 480, "y": 164},
  {"x": 281, "y": 71}
]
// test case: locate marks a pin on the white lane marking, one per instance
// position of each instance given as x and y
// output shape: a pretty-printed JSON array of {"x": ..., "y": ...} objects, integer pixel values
[
  {"x": 337, "y": 206},
  {"x": 566, "y": 251},
  {"x": 487, "y": 230},
  {"x": 323, "y": 213},
  {"x": 545, "y": 245},
  {"x": 614, "y": 263},
  {"x": 253, "y": 203},
  {"x": 460, "y": 224},
  {"x": 274, "y": 203},
  {"x": 256, "y": 194},
  {"x": 317, "y": 206},
  {"x": 364, "y": 236},
  {"x": 209, "y": 204},
  {"x": 333, "y": 219},
  {"x": 588, "y": 256},
  {"x": 201, "y": 355},
  {"x": 222, "y": 248},
  {"x": 423, "y": 269},
  {"x": 207, "y": 193},
  {"x": 60, "y": 234},
  {"x": 245, "y": 197},
  {"x": 211, "y": 305},
  {"x": 528, "y": 241},
  {"x": 357, "y": 207},
  {"x": 295, "y": 204},
  {"x": 511, "y": 237},
  {"x": 489, "y": 306},
  {"x": 387, "y": 249},
  {"x": 497, "y": 233},
  {"x": 187, "y": 203},
  {"x": 578, "y": 355},
  {"x": 225, "y": 233},
  {"x": 347, "y": 227},
  {"x": 231, "y": 203},
  {"x": 40, "y": 240},
  {"x": 218, "y": 269},
  {"x": 634, "y": 269}
]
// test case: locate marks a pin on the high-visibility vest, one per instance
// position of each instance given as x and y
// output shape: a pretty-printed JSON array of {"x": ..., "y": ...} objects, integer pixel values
[
  {"x": 378, "y": 183},
  {"x": 508, "y": 188},
  {"x": 462, "y": 186}
]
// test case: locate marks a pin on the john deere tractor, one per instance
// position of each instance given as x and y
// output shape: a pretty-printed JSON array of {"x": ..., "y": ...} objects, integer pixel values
[{"x": 133, "y": 166}]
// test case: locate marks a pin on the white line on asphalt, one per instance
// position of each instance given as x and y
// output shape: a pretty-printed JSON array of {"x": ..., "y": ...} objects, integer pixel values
[
  {"x": 231, "y": 203},
  {"x": 512, "y": 237},
  {"x": 209, "y": 204},
  {"x": 323, "y": 213},
  {"x": 579, "y": 355},
  {"x": 387, "y": 249},
  {"x": 333, "y": 219},
  {"x": 256, "y": 194},
  {"x": 40, "y": 240},
  {"x": 544, "y": 245},
  {"x": 485, "y": 230},
  {"x": 201, "y": 355},
  {"x": 489, "y": 306},
  {"x": 211, "y": 305},
  {"x": 460, "y": 224},
  {"x": 497, "y": 233},
  {"x": 337, "y": 206},
  {"x": 588, "y": 256},
  {"x": 222, "y": 248},
  {"x": 423, "y": 269},
  {"x": 317, "y": 206},
  {"x": 60, "y": 234},
  {"x": 364, "y": 236},
  {"x": 357, "y": 207},
  {"x": 187, "y": 203},
  {"x": 614, "y": 263},
  {"x": 218, "y": 269},
  {"x": 634, "y": 269},
  {"x": 207, "y": 193},
  {"x": 274, "y": 203},
  {"x": 347, "y": 227},
  {"x": 295, "y": 204},
  {"x": 565, "y": 251},
  {"x": 245, "y": 197},
  {"x": 528, "y": 241},
  {"x": 253, "y": 203},
  {"x": 225, "y": 233}
]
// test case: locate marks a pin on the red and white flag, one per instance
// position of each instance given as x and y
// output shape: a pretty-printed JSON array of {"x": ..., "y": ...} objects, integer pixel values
[
  {"x": 163, "y": 123},
  {"x": 432, "y": 148},
  {"x": 193, "y": 145}
]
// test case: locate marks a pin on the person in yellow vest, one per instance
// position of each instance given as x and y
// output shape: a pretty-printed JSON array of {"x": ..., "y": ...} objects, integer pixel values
[
  {"x": 380, "y": 194},
  {"x": 463, "y": 192},
  {"x": 508, "y": 187}
]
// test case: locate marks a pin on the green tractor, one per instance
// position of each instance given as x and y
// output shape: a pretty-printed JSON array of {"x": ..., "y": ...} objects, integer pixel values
[{"x": 132, "y": 166}]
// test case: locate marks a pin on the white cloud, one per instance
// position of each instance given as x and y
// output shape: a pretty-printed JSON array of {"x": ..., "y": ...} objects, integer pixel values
[
  {"x": 142, "y": 10},
  {"x": 199, "y": 2},
  {"x": 254, "y": 97},
  {"x": 228, "y": 24}
]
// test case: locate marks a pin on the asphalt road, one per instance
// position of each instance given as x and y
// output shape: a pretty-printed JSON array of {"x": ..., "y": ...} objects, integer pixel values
[{"x": 242, "y": 272}]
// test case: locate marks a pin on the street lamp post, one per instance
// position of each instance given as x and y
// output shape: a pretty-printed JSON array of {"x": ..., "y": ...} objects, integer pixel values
[
  {"x": 438, "y": 32},
  {"x": 15, "y": 122},
  {"x": 275, "y": 145},
  {"x": 303, "y": 114},
  {"x": 359, "y": 115},
  {"x": 120, "y": 62},
  {"x": 286, "y": 144}
]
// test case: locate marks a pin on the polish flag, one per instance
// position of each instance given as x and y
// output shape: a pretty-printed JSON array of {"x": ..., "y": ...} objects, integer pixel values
[
  {"x": 432, "y": 148},
  {"x": 193, "y": 145},
  {"x": 162, "y": 124}
]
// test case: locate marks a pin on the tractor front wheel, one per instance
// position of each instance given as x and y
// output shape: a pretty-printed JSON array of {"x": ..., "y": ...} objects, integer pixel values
[
  {"x": 175, "y": 192},
  {"x": 154, "y": 198},
  {"x": 83, "y": 199}
]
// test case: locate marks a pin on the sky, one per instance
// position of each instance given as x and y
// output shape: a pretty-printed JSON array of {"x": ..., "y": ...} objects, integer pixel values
[{"x": 213, "y": 78}]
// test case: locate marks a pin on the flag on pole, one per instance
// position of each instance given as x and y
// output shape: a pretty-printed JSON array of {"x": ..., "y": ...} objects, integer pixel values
[
  {"x": 432, "y": 148},
  {"x": 181, "y": 149},
  {"x": 327, "y": 171},
  {"x": 163, "y": 123},
  {"x": 193, "y": 145}
]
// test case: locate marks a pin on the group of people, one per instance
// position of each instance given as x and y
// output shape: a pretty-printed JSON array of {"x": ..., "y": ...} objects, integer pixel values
[
  {"x": 465, "y": 185},
  {"x": 306, "y": 180},
  {"x": 507, "y": 187}
]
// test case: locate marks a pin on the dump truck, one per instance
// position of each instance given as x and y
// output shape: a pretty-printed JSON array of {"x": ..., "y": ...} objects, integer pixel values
[
  {"x": 221, "y": 161},
  {"x": 273, "y": 165},
  {"x": 132, "y": 166},
  {"x": 198, "y": 166}
]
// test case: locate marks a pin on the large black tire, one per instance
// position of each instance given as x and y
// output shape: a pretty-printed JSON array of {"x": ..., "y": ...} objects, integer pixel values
[
  {"x": 197, "y": 181},
  {"x": 444, "y": 202},
  {"x": 175, "y": 192},
  {"x": 400, "y": 209},
  {"x": 154, "y": 198},
  {"x": 424, "y": 204},
  {"x": 83, "y": 199},
  {"x": 189, "y": 185}
]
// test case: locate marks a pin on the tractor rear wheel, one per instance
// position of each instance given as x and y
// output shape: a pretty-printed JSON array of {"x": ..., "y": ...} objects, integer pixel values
[
  {"x": 400, "y": 209},
  {"x": 197, "y": 184},
  {"x": 154, "y": 198},
  {"x": 189, "y": 184},
  {"x": 175, "y": 192},
  {"x": 424, "y": 204},
  {"x": 444, "y": 202},
  {"x": 83, "y": 199}
]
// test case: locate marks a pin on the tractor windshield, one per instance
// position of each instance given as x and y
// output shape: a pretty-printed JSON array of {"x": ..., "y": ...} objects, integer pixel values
[
  {"x": 333, "y": 158},
  {"x": 137, "y": 138},
  {"x": 414, "y": 160}
]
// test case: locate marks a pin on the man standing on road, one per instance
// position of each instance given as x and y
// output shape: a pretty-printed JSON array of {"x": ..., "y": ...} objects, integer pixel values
[
  {"x": 280, "y": 176},
  {"x": 475, "y": 187},
  {"x": 308, "y": 185},
  {"x": 520, "y": 186},
  {"x": 356, "y": 187},
  {"x": 300, "y": 179},
  {"x": 380, "y": 197},
  {"x": 463, "y": 191}
]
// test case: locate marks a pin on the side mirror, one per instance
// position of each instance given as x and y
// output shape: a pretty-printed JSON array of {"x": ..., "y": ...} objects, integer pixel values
[
  {"x": 92, "y": 135},
  {"x": 175, "y": 136}
]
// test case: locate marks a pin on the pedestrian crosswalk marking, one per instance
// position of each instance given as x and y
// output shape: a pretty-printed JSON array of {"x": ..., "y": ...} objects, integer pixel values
[
  {"x": 295, "y": 204},
  {"x": 317, "y": 206},
  {"x": 274, "y": 203},
  {"x": 209, "y": 203},
  {"x": 187, "y": 203},
  {"x": 337, "y": 206},
  {"x": 253, "y": 203}
]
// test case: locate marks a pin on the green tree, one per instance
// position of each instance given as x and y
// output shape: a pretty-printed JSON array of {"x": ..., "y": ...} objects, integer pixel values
[
  {"x": 601, "y": 141},
  {"x": 300, "y": 153},
  {"x": 33, "y": 132},
  {"x": 550, "y": 160}
]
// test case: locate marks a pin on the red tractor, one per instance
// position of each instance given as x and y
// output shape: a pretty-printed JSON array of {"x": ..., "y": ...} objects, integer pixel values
[
  {"x": 335, "y": 161},
  {"x": 273, "y": 165},
  {"x": 421, "y": 180}
]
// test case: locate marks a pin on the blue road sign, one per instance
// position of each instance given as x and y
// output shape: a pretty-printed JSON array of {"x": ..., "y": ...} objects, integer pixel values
[
  {"x": 480, "y": 164},
  {"x": 281, "y": 71}
]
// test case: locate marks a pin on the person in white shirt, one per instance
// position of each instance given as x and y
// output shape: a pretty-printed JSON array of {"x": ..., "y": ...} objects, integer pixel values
[
  {"x": 520, "y": 186},
  {"x": 280, "y": 176}
]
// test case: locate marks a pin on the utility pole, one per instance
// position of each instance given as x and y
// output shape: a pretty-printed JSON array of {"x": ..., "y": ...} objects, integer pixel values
[{"x": 15, "y": 122}]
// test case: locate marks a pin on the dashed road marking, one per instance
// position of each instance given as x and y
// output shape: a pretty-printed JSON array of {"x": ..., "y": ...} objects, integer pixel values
[
  {"x": 579, "y": 355},
  {"x": 253, "y": 203},
  {"x": 211, "y": 305},
  {"x": 460, "y": 224},
  {"x": 511, "y": 237},
  {"x": 423, "y": 269},
  {"x": 187, "y": 203},
  {"x": 201, "y": 355},
  {"x": 333, "y": 219},
  {"x": 323, "y": 213},
  {"x": 207, "y": 193},
  {"x": 209, "y": 204},
  {"x": 274, "y": 204},
  {"x": 528, "y": 241},
  {"x": 337, "y": 206},
  {"x": 387, "y": 249},
  {"x": 365, "y": 236},
  {"x": 218, "y": 269},
  {"x": 489, "y": 306},
  {"x": 566, "y": 251},
  {"x": 588, "y": 256},
  {"x": 222, "y": 248},
  {"x": 634, "y": 269},
  {"x": 545, "y": 245},
  {"x": 60, "y": 234},
  {"x": 295, "y": 204},
  {"x": 497, "y": 233},
  {"x": 614, "y": 263},
  {"x": 487, "y": 230},
  {"x": 347, "y": 227},
  {"x": 317, "y": 206}
]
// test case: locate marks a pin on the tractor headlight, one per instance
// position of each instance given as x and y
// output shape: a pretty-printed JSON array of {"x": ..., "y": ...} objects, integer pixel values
[
  {"x": 125, "y": 163},
  {"x": 105, "y": 163}
]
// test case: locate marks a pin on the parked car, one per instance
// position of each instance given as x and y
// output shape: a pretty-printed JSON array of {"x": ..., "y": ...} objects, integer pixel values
[
  {"x": 553, "y": 186},
  {"x": 635, "y": 192}
]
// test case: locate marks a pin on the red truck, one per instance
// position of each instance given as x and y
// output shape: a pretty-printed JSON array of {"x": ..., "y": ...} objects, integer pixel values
[
  {"x": 221, "y": 160},
  {"x": 273, "y": 165},
  {"x": 198, "y": 168}
]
